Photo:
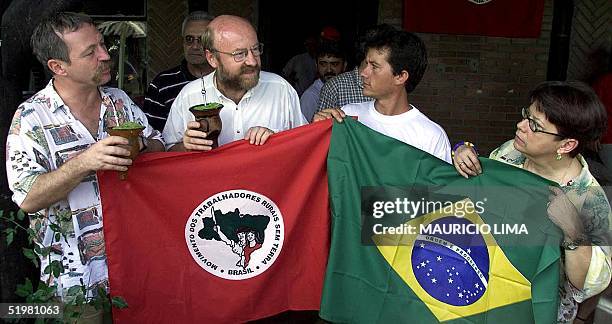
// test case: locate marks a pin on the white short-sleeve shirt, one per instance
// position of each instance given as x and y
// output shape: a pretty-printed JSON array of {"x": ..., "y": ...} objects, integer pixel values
[
  {"x": 411, "y": 127},
  {"x": 272, "y": 103}
]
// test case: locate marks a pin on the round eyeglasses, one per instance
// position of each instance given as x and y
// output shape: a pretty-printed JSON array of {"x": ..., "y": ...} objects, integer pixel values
[{"x": 241, "y": 54}]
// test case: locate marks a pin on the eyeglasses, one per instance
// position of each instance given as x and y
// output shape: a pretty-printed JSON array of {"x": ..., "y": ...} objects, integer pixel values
[
  {"x": 190, "y": 39},
  {"x": 241, "y": 54},
  {"x": 533, "y": 125}
]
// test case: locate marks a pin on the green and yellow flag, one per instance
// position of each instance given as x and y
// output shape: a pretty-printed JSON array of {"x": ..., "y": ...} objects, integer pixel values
[{"x": 414, "y": 242}]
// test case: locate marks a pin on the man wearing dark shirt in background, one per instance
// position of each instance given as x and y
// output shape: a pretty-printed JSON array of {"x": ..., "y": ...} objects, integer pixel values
[
  {"x": 347, "y": 87},
  {"x": 167, "y": 84}
]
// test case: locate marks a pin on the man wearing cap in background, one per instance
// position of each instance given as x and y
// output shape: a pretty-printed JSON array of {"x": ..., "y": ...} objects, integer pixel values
[
  {"x": 166, "y": 85},
  {"x": 301, "y": 70},
  {"x": 347, "y": 87}
]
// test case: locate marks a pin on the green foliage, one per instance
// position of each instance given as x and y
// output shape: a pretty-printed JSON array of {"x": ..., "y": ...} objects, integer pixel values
[
  {"x": 55, "y": 268},
  {"x": 119, "y": 302},
  {"x": 10, "y": 233},
  {"x": 54, "y": 227},
  {"x": 25, "y": 289},
  {"x": 21, "y": 215},
  {"x": 43, "y": 294},
  {"x": 29, "y": 253},
  {"x": 75, "y": 298}
]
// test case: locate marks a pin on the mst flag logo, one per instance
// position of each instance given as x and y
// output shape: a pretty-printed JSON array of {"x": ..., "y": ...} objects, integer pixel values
[{"x": 235, "y": 234}]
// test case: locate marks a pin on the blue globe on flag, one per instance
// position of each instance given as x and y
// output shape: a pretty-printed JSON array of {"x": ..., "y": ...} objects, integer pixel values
[{"x": 452, "y": 268}]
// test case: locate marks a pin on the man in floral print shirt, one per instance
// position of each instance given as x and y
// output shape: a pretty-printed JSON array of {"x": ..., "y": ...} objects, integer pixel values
[{"x": 57, "y": 142}]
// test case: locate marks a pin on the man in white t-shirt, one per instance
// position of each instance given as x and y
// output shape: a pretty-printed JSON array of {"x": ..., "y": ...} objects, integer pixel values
[
  {"x": 256, "y": 104},
  {"x": 394, "y": 65}
]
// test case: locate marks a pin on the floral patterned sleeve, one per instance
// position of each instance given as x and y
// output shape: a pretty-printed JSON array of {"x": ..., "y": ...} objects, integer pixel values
[
  {"x": 507, "y": 154},
  {"x": 597, "y": 217},
  {"x": 599, "y": 274},
  {"x": 495, "y": 154}
]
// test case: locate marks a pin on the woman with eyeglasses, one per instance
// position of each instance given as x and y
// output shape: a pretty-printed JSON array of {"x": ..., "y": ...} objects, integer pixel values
[{"x": 563, "y": 119}]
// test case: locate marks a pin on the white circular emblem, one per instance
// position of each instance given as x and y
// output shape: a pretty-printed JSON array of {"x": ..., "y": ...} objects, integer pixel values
[
  {"x": 480, "y": 1},
  {"x": 235, "y": 234}
]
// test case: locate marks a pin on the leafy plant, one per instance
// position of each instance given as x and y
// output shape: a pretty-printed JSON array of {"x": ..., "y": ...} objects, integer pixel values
[{"x": 76, "y": 297}]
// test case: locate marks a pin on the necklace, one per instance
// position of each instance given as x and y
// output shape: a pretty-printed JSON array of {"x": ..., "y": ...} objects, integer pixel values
[{"x": 561, "y": 182}]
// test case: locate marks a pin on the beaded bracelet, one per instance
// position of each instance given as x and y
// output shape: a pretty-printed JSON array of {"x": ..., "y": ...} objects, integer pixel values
[{"x": 468, "y": 144}]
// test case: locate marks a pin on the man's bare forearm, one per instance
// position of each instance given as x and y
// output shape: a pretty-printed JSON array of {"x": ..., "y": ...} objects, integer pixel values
[{"x": 54, "y": 186}]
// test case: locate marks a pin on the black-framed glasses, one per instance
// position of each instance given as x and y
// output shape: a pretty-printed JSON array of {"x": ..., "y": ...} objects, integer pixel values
[
  {"x": 241, "y": 54},
  {"x": 190, "y": 39},
  {"x": 533, "y": 125}
]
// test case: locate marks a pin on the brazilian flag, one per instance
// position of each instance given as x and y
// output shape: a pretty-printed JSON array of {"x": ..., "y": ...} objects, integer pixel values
[{"x": 413, "y": 242}]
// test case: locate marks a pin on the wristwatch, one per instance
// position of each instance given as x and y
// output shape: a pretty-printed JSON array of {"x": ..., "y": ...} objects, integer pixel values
[{"x": 572, "y": 245}]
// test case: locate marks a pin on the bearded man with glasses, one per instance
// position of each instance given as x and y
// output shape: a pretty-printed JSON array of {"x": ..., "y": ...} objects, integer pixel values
[
  {"x": 167, "y": 84},
  {"x": 256, "y": 104}
]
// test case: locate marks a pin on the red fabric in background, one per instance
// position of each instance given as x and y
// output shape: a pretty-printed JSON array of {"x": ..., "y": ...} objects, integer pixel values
[
  {"x": 503, "y": 18},
  {"x": 603, "y": 88},
  {"x": 149, "y": 262}
]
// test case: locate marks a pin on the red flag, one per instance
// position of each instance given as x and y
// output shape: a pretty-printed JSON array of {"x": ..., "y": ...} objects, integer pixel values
[
  {"x": 504, "y": 18},
  {"x": 231, "y": 235}
]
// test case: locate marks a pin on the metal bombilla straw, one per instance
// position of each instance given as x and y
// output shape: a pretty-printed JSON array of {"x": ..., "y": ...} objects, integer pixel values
[
  {"x": 115, "y": 112},
  {"x": 203, "y": 91}
]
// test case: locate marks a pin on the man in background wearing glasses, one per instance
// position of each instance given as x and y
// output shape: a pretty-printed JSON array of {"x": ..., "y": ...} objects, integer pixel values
[
  {"x": 256, "y": 104},
  {"x": 167, "y": 84}
]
